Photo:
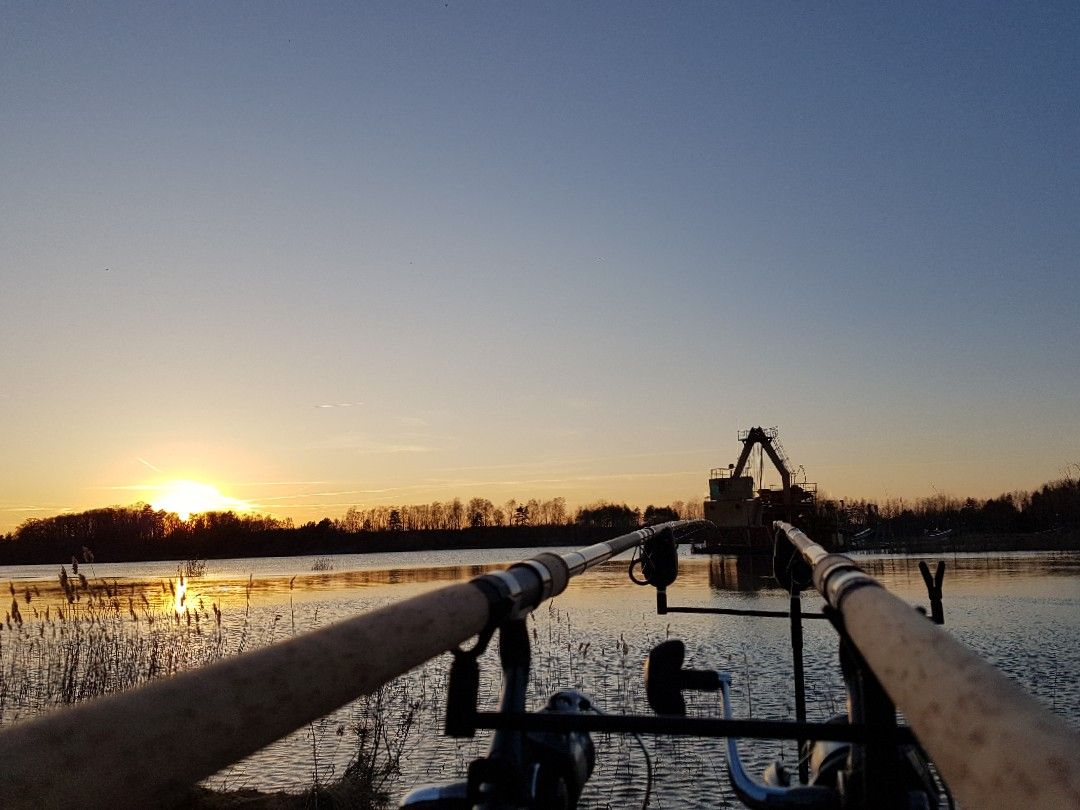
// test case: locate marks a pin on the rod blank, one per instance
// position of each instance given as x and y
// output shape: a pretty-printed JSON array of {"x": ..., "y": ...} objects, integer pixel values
[
  {"x": 148, "y": 746},
  {"x": 995, "y": 745}
]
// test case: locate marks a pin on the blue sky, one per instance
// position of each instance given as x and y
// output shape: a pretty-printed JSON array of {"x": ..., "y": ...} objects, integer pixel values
[{"x": 534, "y": 250}]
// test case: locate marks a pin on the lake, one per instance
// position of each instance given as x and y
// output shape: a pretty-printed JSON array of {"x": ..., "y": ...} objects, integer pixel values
[{"x": 1019, "y": 610}]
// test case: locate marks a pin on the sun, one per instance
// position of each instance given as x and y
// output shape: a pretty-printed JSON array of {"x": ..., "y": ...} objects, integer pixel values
[{"x": 187, "y": 498}]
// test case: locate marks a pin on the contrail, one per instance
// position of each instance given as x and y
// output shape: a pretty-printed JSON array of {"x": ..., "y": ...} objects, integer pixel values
[{"x": 148, "y": 464}]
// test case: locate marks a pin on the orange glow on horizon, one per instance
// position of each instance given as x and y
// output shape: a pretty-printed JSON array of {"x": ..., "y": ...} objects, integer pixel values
[{"x": 187, "y": 498}]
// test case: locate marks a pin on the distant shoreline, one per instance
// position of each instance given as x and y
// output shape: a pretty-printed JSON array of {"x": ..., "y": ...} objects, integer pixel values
[
  {"x": 1068, "y": 540},
  {"x": 304, "y": 543}
]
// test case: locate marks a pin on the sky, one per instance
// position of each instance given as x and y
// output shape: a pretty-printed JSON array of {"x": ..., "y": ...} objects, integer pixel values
[{"x": 323, "y": 255}]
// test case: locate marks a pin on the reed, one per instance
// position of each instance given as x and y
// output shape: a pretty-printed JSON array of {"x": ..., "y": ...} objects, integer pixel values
[
  {"x": 95, "y": 638},
  {"x": 88, "y": 637}
]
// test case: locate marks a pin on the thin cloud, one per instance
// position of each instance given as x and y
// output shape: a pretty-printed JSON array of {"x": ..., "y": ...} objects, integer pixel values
[
  {"x": 463, "y": 483},
  {"x": 580, "y": 403},
  {"x": 273, "y": 483},
  {"x": 312, "y": 506},
  {"x": 308, "y": 501},
  {"x": 134, "y": 487},
  {"x": 575, "y": 479},
  {"x": 328, "y": 494},
  {"x": 339, "y": 404},
  {"x": 394, "y": 444},
  {"x": 388, "y": 448},
  {"x": 396, "y": 493},
  {"x": 227, "y": 484},
  {"x": 574, "y": 461}
]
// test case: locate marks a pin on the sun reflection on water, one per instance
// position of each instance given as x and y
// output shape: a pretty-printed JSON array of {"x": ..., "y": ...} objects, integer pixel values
[{"x": 180, "y": 591}]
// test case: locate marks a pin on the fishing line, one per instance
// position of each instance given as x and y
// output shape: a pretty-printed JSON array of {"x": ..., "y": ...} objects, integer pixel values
[
  {"x": 637, "y": 559},
  {"x": 648, "y": 763}
]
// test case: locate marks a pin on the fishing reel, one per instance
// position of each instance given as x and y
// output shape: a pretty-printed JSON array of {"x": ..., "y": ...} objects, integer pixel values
[
  {"x": 543, "y": 759},
  {"x": 550, "y": 771},
  {"x": 858, "y": 760},
  {"x": 525, "y": 769}
]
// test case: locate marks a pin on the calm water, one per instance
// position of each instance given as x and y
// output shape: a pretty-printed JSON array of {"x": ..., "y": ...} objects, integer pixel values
[{"x": 1021, "y": 611}]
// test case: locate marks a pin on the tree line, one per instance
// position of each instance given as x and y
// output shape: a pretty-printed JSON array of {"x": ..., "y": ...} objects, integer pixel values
[
  {"x": 455, "y": 514},
  {"x": 1054, "y": 507},
  {"x": 140, "y": 532}
]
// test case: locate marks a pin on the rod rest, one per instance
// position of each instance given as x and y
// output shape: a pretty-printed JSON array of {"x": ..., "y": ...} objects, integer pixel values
[{"x": 665, "y": 679}]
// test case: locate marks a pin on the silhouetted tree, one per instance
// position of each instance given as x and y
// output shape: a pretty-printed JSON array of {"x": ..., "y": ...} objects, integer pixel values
[
  {"x": 659, "y": 514},
  {"x": 609, "y": 516}
]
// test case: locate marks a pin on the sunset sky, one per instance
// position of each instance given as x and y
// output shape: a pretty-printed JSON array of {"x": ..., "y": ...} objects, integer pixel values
[{"x": 322, "y": 255}]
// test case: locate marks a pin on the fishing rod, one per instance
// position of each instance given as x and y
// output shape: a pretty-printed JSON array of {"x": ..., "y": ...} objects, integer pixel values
[
  {"x": 890, "y": 655},
  {"x": 179, "y": 730},
  {"x": 148, "y": 746},
  {"x": 994, "y": 744},
  {"x": 543, "y": 759}
]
